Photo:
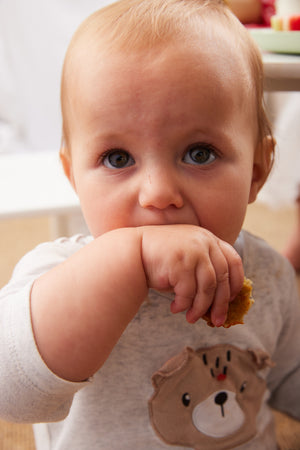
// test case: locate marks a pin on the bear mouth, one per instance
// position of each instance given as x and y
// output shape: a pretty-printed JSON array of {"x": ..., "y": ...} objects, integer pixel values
[{"x": 219, "y": 415}]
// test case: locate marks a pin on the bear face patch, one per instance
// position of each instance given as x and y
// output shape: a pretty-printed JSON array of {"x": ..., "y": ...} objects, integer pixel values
[{"x": 208, "y": 398}]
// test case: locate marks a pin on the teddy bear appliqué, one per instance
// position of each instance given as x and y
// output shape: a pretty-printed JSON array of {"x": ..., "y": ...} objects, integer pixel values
[{"x": 208, "y": 398}]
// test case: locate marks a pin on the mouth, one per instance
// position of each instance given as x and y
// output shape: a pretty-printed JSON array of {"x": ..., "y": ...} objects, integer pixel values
[
  {"x": 168, "y": 216},
  {"x": 161, "y": 221}
]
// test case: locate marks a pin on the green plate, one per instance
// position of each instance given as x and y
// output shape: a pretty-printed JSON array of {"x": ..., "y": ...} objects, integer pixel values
[{"x": 277, "y": 41}]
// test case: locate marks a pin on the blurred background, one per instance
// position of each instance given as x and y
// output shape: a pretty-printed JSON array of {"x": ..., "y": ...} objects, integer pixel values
[{"x": 33, "y": 39}]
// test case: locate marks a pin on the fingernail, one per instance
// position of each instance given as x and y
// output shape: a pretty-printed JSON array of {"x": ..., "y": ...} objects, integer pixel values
[
  {"x": 219, "y": 322},
  {"x": 190, "y": 318}
]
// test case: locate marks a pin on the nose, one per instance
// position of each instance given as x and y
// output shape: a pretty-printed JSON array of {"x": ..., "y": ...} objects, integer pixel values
[
  {"x": 221, "y": 398},
  {"x": 160, "y": 190}
]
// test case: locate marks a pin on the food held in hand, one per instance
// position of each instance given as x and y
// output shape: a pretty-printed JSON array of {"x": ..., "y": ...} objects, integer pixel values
[{"x": 237, "y": 308}]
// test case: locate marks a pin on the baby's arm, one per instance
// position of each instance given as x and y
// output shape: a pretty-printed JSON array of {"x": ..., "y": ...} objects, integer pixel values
[{"x": 81, "y": 307}]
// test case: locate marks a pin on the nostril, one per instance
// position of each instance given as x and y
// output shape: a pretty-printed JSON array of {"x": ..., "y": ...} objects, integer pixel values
[
  {"x": 160, "y": 199},
  {"x": 221, "y": 398}
]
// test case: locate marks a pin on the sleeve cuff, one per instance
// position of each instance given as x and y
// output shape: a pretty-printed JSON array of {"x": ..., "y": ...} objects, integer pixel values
[{"x": 37, "y": 393}]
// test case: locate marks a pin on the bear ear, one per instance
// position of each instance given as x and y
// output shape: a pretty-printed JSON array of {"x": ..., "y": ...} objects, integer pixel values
[
  {"x": 157, "y": 379},
  {"x": 261, "y": 359},
  {"x": 172, "y": 366}
]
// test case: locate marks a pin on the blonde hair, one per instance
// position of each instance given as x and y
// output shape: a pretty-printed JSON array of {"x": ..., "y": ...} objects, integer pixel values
[{"x": 135, "y": 25}]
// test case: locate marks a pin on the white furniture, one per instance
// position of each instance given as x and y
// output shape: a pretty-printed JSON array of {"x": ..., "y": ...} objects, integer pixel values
[
  {"x": 282, "y": 72},
  {"x": 33, "y": 183}
]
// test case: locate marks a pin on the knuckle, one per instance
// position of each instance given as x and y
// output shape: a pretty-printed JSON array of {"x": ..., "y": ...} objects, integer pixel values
[
  {"x": 210, "y": 287},
  {"x": 223, "y": 277},
  {"x": 236, "y": 261},
  {"x": 183, "y": 302}
]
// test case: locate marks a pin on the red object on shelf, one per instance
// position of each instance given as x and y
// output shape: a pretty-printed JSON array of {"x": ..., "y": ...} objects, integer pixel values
[{"x": 295, "y": 23}]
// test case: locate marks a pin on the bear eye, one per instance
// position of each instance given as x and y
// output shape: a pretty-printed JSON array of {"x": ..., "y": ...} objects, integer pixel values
[
  {"x": 243, "y": 386},
  {"x": 186, "y": 399}
]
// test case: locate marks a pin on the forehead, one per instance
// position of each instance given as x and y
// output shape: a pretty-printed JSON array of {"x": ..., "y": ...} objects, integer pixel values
[
  {"x": 206, "y": 63},
  {"x": 209, "y": 52}
]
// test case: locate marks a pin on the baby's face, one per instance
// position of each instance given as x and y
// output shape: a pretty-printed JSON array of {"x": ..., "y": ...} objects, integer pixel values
[{"x": 166, "y": 137}]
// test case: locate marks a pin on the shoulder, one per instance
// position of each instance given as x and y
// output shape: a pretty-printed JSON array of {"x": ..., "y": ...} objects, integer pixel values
[
  {"x": 269, "y": 271},
  {"x": 49, "y": 254},
  {"x": 258, "y": 254}
]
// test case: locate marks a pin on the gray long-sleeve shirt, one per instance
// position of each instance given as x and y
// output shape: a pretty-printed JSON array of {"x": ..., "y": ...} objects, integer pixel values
[{"x": 228, "y": 368}]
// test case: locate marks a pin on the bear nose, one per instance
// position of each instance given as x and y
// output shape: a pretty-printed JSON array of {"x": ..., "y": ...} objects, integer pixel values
[{"x": 221, "y": 398}]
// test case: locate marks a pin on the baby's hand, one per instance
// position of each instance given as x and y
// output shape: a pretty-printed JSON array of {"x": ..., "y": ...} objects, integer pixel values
[{"x": 202, "y": 270}]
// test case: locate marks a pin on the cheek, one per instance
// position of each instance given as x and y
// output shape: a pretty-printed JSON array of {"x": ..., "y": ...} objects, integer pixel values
[
  {"x": 93, "y": 206},
  {"x": 232, "y": 222},
  {"x": 102, "y": 211},
  {"x": 225, "y": 207},
  {"x": 98, "y": 215},
  {"x": 226, "y": 222},
  {"x": 103, "y": 204}
]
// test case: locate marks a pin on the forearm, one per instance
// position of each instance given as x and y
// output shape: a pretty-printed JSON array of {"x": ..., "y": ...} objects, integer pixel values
[{"x": 80, "y": 308}]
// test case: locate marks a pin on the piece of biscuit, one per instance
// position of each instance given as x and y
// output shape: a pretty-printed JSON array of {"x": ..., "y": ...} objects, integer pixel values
[{"x": 237, "y": 308}]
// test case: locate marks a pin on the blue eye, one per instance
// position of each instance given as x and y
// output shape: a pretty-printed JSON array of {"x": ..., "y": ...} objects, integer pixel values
[
  {"x": 201, "y": 154},
  {"x": 117, "y": 159}
]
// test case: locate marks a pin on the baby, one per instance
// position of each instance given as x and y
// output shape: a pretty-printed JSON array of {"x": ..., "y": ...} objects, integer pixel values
[{"x": 165, "y": 141}]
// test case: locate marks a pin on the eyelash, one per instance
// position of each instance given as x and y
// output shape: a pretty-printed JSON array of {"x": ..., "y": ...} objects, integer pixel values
[
  {"x": 201, "y": 149},
  {"x": 111, "y": 152}
]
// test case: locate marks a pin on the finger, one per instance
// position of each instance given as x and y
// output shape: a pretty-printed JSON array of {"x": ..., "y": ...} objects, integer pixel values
[
  {"x": 185, "y": 290},
  {"x": 235, "y": 268},
  {"x": 221, "y": 299},
  {"x": 206, "y": 287}
]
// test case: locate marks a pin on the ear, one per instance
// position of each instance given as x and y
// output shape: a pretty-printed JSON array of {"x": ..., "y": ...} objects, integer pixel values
[
  {"x": 66, "y": 161},
  {"x": 262, "y": 165},
  {"x": 261, "y": 358},
  {"x": 172, "y": 366}
]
